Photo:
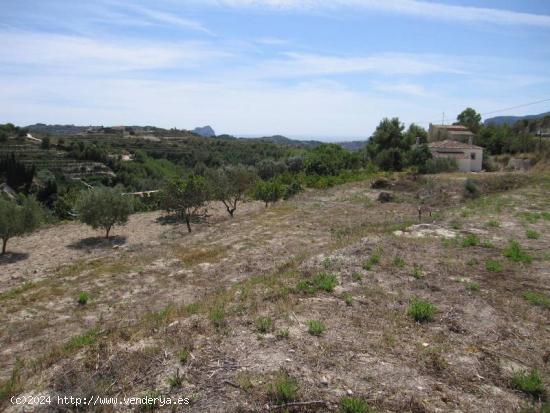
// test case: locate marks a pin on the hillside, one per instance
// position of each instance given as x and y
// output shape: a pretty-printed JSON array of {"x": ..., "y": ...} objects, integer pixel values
[
  {"x": 511, "y": 120},
  {"x": 295, "y": 307}
]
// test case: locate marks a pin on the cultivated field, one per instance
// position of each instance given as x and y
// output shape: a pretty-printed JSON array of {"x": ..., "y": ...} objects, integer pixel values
[{"x": 298, "y": 306}]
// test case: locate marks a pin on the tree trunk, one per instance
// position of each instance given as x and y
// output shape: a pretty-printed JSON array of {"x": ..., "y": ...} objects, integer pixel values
[
  {"x": 108, "y": 230},
  {"x": 4, "y": 243},
  {"x": 187, "y": 221},
  {"x": 231, "y": 211},
  {"x": 266, "y": 204}
]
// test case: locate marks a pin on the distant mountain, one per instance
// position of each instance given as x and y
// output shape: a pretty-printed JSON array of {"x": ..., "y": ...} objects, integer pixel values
[
  {"x": 283, "y": 140},
  {"x": 353, "y": 146},
  {"x": 205, "y": 131},
  {"x": 511, "y": 120}
]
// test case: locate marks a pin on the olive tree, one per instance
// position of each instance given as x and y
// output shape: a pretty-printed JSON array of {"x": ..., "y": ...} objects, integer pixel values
[
  {"x": 229, "y": 185},
  {"x": 268, "y": 191},
  {"x": 103, "y": 208},
  {"x": 18, "y": 218},
  {"x": 185, "y": 197}
]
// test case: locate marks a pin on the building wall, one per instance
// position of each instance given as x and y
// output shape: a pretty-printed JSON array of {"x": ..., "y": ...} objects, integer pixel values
[{"x": 463, "y": 158}]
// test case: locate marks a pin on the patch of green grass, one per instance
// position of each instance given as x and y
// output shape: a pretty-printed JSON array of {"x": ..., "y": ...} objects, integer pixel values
[
  {"x": 354, "y": 405},
  {"x": 417, "y": 272},
  {"x": 82, "y": 340},
  {"x": 15, "y": 292},
  {"x": 373, "y": 260},
  {"x": 175, "y": 380},
  {"x": 531, "y": 217},
  {"x": 529, "y": 382},
  {"x": 315, "y": 328},
  {"x": 283, "y": 334},
  {"x": 11, "y": 385},
  {"x": 456, "y": 225},
  {"x": 356, "y": 276},
  {"x": 183, "y": 355},
  {"x": 322, "y": 281},
  {"x": 83, "y": 298},
  {"x": 535, "y": 298},
  {"x": 492, "y": 224},
  {"x": 264, "y": 324},
  {"x": 398, "y": 262},
  {"x": 532, "y": 234},
  {"x": 472, "y": 261},
  {"x": 284, "y": 389},
  {"x": 515, "y": 253},
  {"x": 473, "y": 286},
  {"x": 217, "y": 316},
  {"x": 192, "y": 308},
  {"x": 487, "y": 244},
  {"x": 421, "y": 310},
  {"x": 471, "y": 240},
  {"x": 493, "y": 266},
  {"x": 348, "y": 298}
]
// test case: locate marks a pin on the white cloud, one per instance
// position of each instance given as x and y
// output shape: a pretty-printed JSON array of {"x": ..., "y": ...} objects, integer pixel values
[
  {"x": 402, "y": 88},
  {"x": 93, "y": 55},
  {"x": 408, "y": 7}
]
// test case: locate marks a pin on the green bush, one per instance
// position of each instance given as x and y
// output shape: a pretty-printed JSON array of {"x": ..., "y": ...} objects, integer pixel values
[
  {"x": 493, "y": 224},
  {"x": 315, "y": 328},
  {"x": 183, "y": 355},
  {"x": 373, "y": 260},
  {"x": 422, "y": 310},
  {"x": 471, "y": 188},
  {"x": 325, "y": 282},
  {"x": 83, "y": 298},
  {"x": 284, "y": 388},
  {"x": 471, "y": 240},
  {"x": 417, "y": 272},
  {"x": 440, "y": 165},
  {"x": 217, "y": 316},
  {"x": 529, "y": 382},
  {"x": 493, "y": 266},
  {"x": 532, "y": 234},
  {"x": 473, "y": 286},
  {"x": 537, "y": 299},
  {"x": 515, "y": 253},
  {"x": 264, "y": 324},
  {"x": 354, "y": 405}
]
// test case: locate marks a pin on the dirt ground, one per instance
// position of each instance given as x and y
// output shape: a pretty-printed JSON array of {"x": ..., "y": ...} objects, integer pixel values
[{"x": 236, "y": 297}]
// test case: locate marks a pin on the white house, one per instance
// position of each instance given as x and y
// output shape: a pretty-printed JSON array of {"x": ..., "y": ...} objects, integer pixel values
[{"x": 468, "y": 157}]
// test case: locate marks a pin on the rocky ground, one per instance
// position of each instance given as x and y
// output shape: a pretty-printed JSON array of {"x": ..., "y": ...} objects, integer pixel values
[{"x": 298, "y": 306}]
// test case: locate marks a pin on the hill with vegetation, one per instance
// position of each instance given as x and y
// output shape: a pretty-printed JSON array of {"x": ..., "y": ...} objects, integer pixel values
[{"x": 512, "y": 120}]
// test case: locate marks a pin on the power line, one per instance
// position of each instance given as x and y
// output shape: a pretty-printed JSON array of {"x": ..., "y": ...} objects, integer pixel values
[{"x": 516, "y": 107}]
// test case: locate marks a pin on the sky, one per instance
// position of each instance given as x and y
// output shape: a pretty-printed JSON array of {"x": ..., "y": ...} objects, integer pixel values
[{"x": 325, "y": 69}]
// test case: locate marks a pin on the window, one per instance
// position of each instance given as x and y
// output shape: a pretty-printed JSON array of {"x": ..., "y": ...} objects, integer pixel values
[{"x": 473, "y": 155}]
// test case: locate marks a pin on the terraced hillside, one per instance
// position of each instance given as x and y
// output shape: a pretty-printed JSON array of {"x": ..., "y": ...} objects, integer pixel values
[{"x": 327, "y": 302}]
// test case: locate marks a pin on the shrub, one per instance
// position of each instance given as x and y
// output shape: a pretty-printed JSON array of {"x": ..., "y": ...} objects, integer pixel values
[
  {"x": 422, "y": 310},
  {"x": 83, "y": 298},
  {"x": 472, "y": 240},
  {"x": 537, "y": 299},
  {"x": 183, "y": 355},
  {"x": 473, "y": 286},
  {"x": 284, "y": 388},
  {"x": 532, "y": 234},
  {"x": 264, "y": 324},
  {"x": 315, "y": 328},
  {"x": 529, "y": 382},
  {"x": 268, "y": 191},
  {"x": 185, "y": 197},
  {"x": 348, "y": 298},
  {"x": 439, "y": 165},
  {"x": 493, "y": 266},
  {"x": 283, "y": 334},
  {"x": 354, "y": 405},
  {"x": 399, "y": 262},
  {"x": 175, "y": 380},
  {"x": 493, "y": 224},
  {"x": 217, "y": 316},
  {"x": 470, "y": 188},
  {"x": 515, "y": 253},
  {"x": 325, "y": 282},
  {"x": 373, "y": 260},
  {"x": 230, "y": 184},
  {"x": 417, "y": 272}
]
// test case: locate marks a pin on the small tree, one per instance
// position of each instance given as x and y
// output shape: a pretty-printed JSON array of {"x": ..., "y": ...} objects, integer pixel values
[
  {"x": 229, "y": 185},
  {"x": 103, "y": 208},
  {"x": 469, "y": 118},
  {"x": 268, "y": 191},
  {"x": 18, "y": 218},
  {"x": 185, "y": 197}
]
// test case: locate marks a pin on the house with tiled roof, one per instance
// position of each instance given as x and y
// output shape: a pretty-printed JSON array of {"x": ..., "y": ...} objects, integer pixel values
[
  {"x": 449, "y": 132},
  {"x": 468, "y": 157}
]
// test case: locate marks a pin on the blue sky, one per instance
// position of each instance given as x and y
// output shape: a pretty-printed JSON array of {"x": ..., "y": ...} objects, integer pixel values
[{"x": 313, "y": 68}]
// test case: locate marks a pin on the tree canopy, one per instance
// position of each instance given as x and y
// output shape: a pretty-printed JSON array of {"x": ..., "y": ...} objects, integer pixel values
[
  {"x": 230, "y": 184},
  {"x": 103, "y": 208},
  {"x": 18, "y": 218},
  {"x": 185, "y": 197},
  {"x": 469, "y": 118}
]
